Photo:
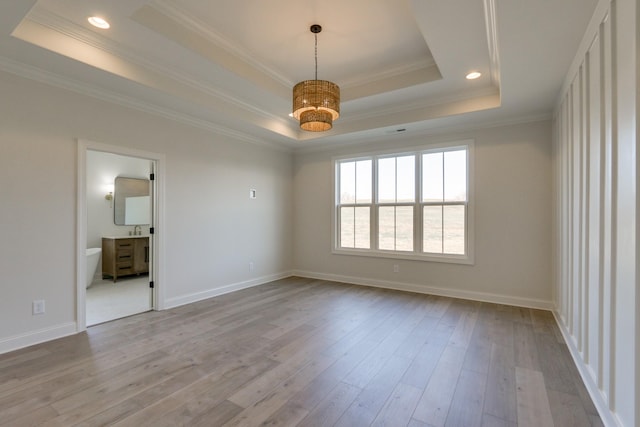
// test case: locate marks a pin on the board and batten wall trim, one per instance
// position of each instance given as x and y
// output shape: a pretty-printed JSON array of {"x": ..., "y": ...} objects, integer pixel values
[{"x": 595, "y": 131}]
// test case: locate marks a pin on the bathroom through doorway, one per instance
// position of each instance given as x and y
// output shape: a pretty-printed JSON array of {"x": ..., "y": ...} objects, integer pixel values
[{"x": 118, "y": 205}]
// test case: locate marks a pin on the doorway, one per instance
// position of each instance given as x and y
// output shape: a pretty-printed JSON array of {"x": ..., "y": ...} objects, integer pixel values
[{"x": 118, "y": 248}]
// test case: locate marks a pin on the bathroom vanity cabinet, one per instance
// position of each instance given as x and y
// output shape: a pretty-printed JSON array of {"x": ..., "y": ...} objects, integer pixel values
[{"x": 124, "y": 256}]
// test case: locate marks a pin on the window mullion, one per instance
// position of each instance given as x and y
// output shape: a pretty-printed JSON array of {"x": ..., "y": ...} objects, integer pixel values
[
  {"x": 373, "y": 226},
  {"x": 417, "y": 211},
  {"x": 338, "y": 229},
  {"x": 355, "y": 203},
  {"x": 395, "y": 208},
  {"x": 442, "y": 209},
  {"x": 355, "y": 226}
]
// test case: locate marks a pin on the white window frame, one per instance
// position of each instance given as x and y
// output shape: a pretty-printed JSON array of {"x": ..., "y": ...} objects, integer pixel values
[{"x": 417, "y": 254}]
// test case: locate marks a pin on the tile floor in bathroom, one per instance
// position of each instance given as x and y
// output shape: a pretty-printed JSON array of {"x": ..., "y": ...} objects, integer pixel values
[{"x": 108, "y": 301}]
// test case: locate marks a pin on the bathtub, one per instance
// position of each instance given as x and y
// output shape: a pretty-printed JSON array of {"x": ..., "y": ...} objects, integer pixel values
[{"x": 93, "y": 256}]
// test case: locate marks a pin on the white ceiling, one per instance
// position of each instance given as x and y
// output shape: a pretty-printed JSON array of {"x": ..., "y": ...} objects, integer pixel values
[{"x": 230, "y": 66}]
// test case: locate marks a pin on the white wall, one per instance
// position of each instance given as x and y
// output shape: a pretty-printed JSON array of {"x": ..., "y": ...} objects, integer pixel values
[
  {"x": 212, "y": 229},
  {"x": 512, "y": 222},
  {"x": 596, "y": 179}
]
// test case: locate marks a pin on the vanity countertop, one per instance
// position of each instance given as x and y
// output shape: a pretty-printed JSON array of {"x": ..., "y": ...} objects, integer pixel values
[{"x": 126, "y": 237}]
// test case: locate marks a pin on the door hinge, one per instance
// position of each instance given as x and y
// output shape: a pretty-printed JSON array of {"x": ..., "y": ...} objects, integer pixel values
[
  {"x": 151, "y": 285},
  {"x": 152, "y": 177},
  {"x": 152, "y": 230}
]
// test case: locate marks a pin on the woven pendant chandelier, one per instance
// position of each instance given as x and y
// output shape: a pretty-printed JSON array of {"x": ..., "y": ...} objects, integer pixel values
[{"x": 316, "y": 103}]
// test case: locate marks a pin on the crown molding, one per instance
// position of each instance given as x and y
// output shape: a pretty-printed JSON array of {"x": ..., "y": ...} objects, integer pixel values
[
  {"x": 71, "y": 29},
  {"x": 172, "y": 9},
  {"x": 389, "y": 73},
  {"x": 601, "y": 14},
  {"x": 438, "y": 129},
  {"x": 140, "y": 59},
  {"x": 491, "y": 24},
  {"x": 53, "y": 79},
  {"x": 428, "y": 102},
  {"x": 155, "y": 67}
]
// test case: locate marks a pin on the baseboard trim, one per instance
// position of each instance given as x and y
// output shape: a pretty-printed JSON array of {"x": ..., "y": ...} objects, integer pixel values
[
  {"x": 36, "y": 337},
  {"x": 66, "y": 329},
  {"x": 211, "y": 293},
  {"x": 609, "y": 418},
  {"x": 431, "y": 290}
]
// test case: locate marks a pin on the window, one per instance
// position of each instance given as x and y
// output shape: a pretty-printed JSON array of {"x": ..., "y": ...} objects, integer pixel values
[
  {"x": 355, "y": 203},
  {"x": 414, "y": 204}
]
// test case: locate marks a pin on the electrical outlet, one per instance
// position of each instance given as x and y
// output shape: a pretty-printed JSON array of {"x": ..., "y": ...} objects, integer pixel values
[
  {"x": 250, "y": 265},
  {"x": 396, "y": 268},
  {"x": 38, "y": 306}
]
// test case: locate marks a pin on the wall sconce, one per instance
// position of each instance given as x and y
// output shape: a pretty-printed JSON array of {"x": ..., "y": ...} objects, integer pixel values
[{"x": 109, "y": 197}]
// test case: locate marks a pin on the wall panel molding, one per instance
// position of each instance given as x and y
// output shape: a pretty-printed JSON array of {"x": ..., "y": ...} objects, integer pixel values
[{"x": 597, "y": 210}]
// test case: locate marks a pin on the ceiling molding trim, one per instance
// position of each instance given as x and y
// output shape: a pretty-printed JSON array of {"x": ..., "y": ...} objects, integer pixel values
[
  {"x": 47, "y": 77},
  {"x": 79, "y": 33},
  {"x": 414, "y": 79},
  {"x": 448, "y": 129},
  {"x": 429, "y": 102},
  {"x": 492, "y": 39},
  {"x": 171, "y": 9},
  {"x": 389, "y": 73},
  {"x": 413, "y": 118},
  {"x": 601, "y": 14}
]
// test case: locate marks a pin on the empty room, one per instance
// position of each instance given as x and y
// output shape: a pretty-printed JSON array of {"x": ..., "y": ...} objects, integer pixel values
[{"x": 339, "y": 213}]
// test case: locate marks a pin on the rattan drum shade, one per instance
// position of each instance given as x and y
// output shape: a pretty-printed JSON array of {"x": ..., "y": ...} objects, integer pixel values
[{"x": 316, "y": 104}]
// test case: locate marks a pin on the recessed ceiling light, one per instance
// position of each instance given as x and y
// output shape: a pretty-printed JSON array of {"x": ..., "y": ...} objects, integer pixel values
[
  {"x": 473, "y": 75},
  {"x": 96, "y": 21}
]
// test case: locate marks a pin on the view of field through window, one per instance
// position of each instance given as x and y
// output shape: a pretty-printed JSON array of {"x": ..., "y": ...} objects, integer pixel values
[{"x": 438, "y": 178}]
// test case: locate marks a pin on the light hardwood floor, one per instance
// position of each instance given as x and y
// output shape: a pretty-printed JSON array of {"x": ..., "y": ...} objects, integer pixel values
[{"x": 307, "y": 353}]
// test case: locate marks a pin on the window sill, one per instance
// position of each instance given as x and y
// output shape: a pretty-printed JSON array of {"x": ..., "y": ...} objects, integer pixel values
[{"x": 448, "y": 259}]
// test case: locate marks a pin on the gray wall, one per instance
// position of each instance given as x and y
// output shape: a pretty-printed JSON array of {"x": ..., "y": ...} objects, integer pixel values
[
  {"x": 212, "y": 228},
  {"x": 512, "y": 221}
]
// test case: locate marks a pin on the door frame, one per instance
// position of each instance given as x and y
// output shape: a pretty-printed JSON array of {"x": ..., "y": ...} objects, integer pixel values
[{"x": 157, "y": 247}]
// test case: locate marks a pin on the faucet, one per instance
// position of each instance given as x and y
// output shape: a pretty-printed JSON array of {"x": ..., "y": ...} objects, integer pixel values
[{"x": 137, "y": 230}]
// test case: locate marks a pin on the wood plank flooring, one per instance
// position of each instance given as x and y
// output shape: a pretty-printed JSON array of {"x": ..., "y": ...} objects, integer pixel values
[{"x": 302, "y": 352}]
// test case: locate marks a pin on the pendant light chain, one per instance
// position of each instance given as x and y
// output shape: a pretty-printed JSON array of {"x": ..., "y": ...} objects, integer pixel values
[{"x": 316, "y": 36}]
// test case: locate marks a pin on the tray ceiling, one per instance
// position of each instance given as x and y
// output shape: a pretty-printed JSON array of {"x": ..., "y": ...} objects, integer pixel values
[{"x": 230, "y": 66}]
